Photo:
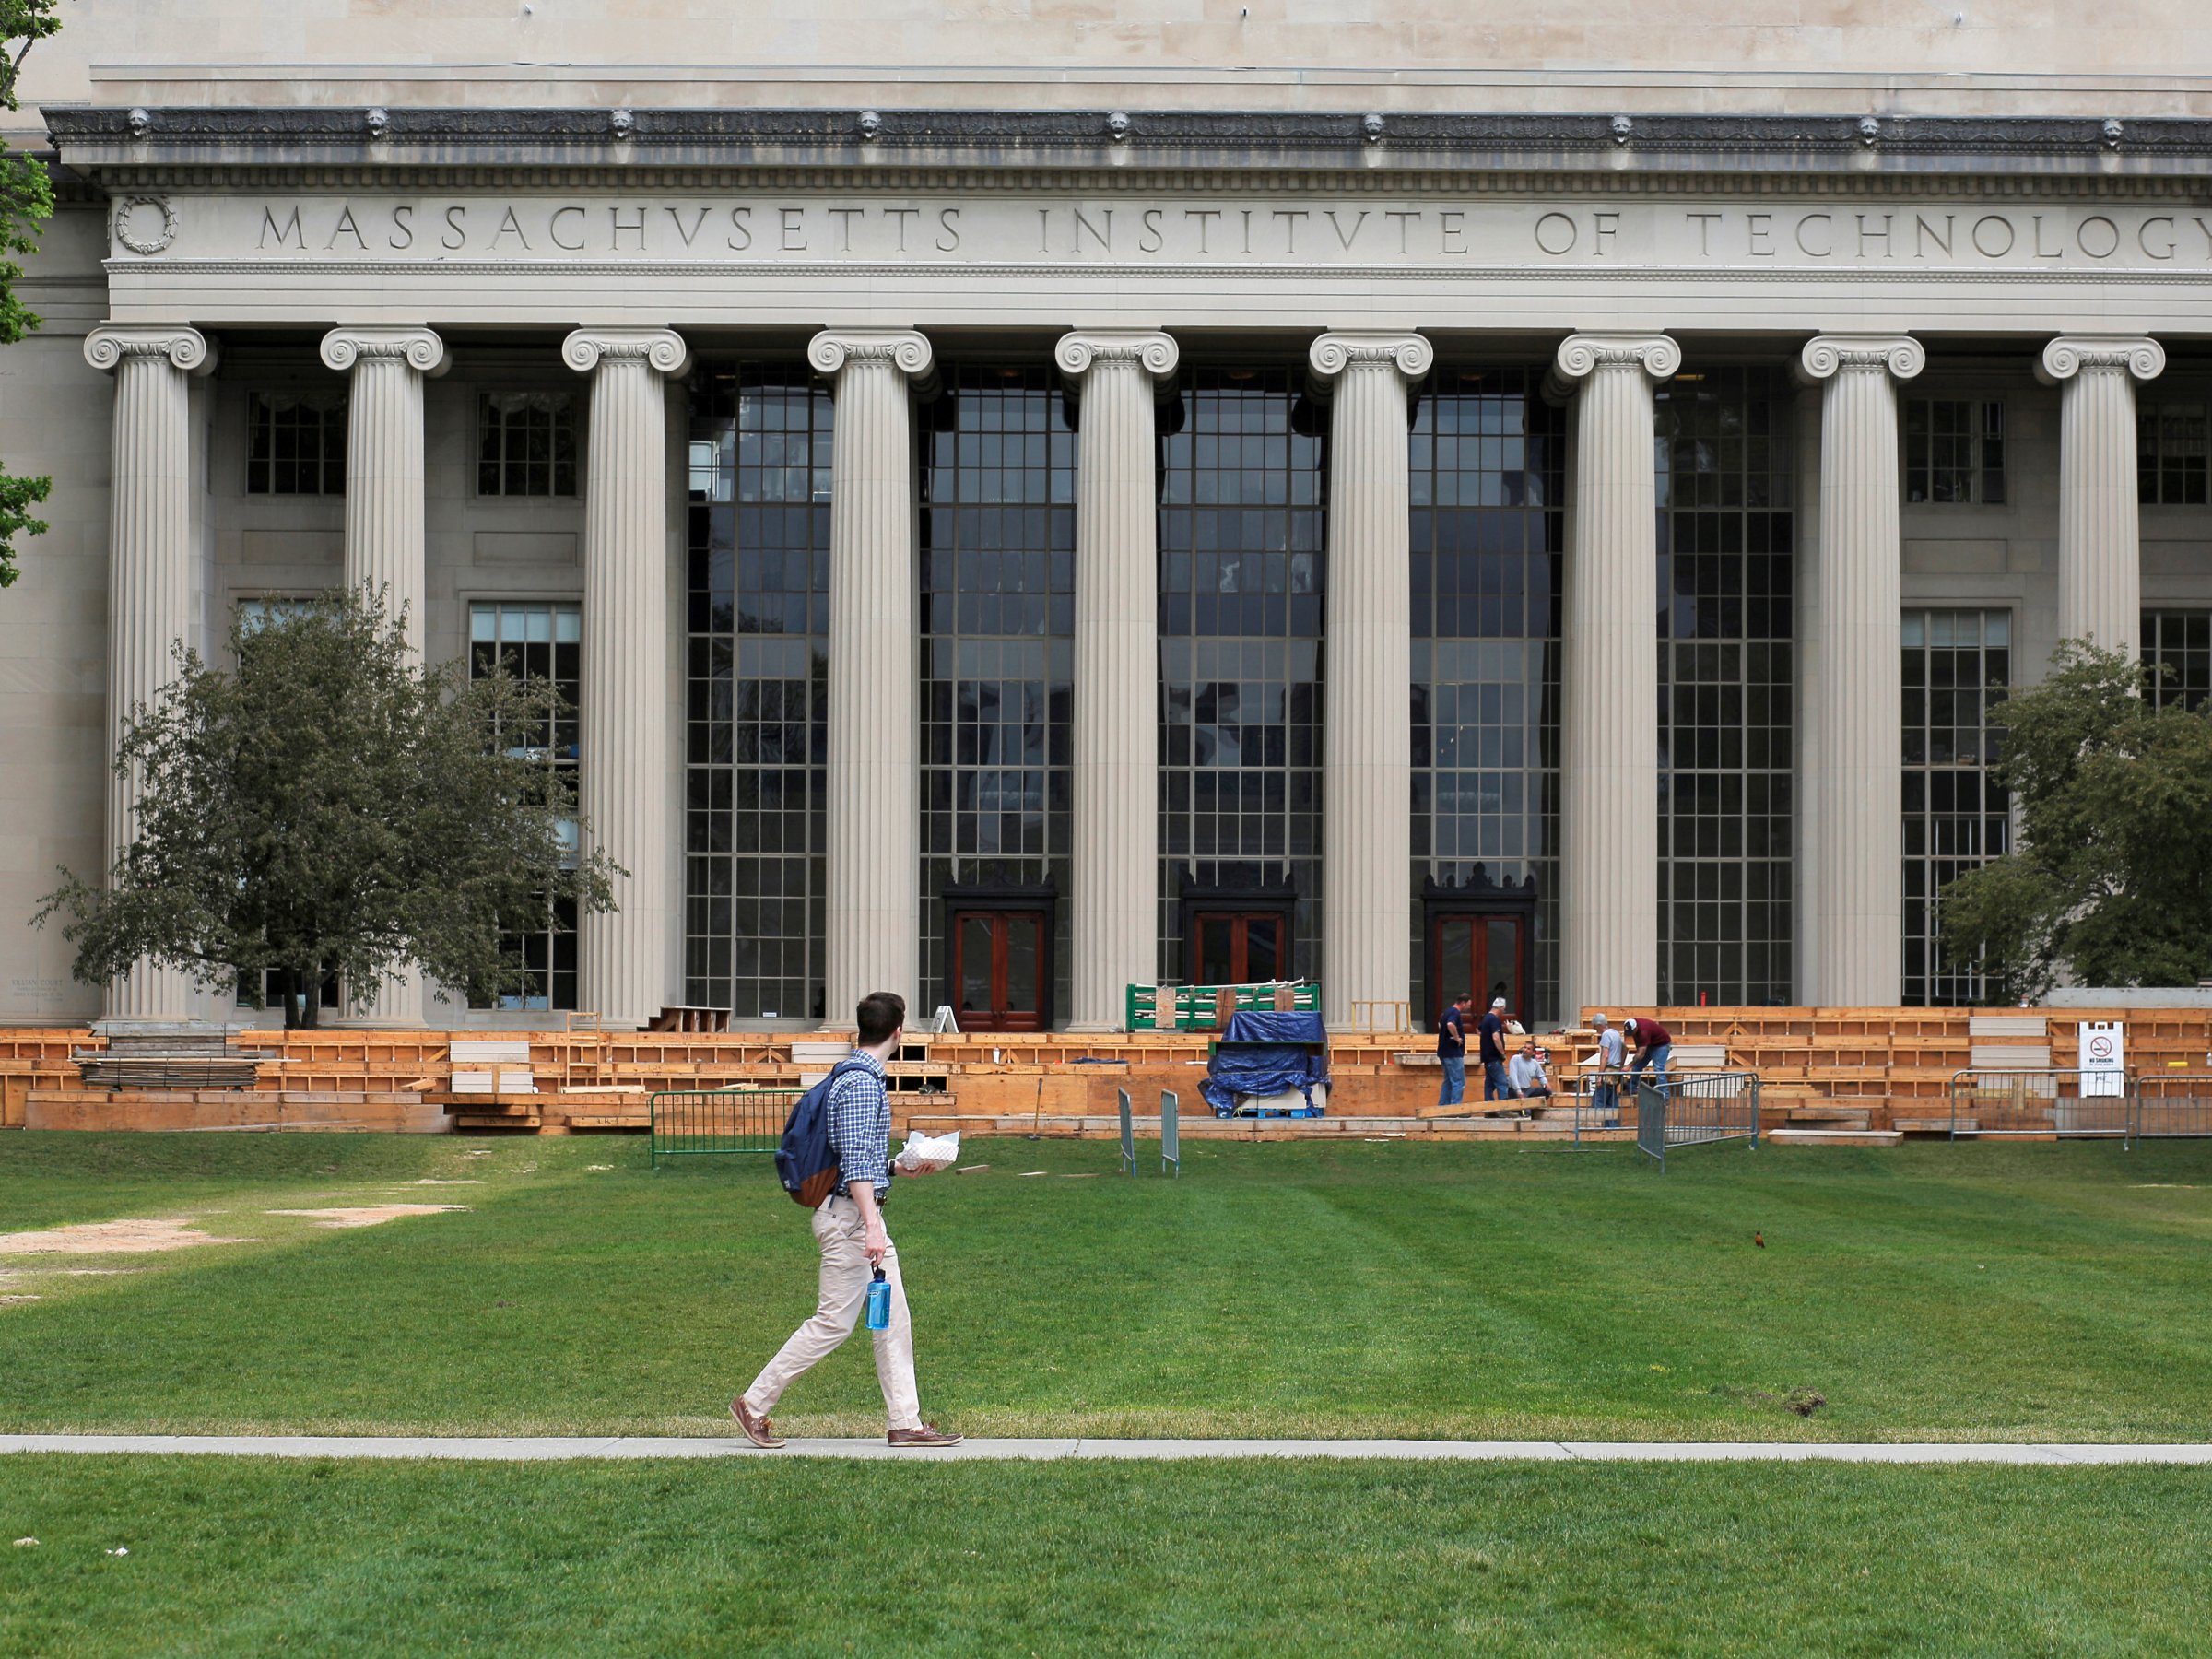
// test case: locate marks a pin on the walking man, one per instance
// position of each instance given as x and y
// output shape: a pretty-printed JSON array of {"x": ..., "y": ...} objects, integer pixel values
[
  {"x": 849, "y": 1228},
  {"x": 1492, "y": 1029},
  {"x": 1451, "y": 1050},
  {"x": 1653, "y": 1042}
]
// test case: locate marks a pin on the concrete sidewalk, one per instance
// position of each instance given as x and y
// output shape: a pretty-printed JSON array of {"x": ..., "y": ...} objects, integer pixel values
[{"x": 545, "y": 1449}]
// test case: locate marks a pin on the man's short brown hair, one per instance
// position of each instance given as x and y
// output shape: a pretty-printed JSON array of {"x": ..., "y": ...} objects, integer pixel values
[{"x": 881, "y": 1013}]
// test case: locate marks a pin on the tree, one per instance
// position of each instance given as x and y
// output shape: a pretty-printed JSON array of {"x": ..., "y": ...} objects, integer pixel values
[
  {"x": 2111, "y": 881},
  {"x": 332, "y": 807},
  {"x": 26, "y": 201}
]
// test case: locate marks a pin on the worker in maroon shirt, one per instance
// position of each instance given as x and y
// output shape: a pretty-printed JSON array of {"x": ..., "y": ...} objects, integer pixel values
[{"x": 1653, "y": 1042}]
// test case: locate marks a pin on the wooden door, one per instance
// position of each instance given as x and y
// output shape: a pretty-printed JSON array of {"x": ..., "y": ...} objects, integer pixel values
[
  {"x": 1000, "y": 964},
  {"x": 1483, "y": 954},
  {"x": 1239, "y": 948}
]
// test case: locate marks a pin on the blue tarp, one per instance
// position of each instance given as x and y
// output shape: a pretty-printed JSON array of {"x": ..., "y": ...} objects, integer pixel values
[
  {"x": 1267, "y": 1026},
  {"x": 1265, "y": 1053}
]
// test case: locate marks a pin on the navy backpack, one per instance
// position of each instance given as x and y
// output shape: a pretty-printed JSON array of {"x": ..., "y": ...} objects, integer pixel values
[{"x": 805, "y": 1162}]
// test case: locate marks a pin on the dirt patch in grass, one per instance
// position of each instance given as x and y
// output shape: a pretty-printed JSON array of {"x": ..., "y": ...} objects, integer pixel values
[
  {"x": 368, "y": 1214},
  {"x": 135, "y": 1237}
]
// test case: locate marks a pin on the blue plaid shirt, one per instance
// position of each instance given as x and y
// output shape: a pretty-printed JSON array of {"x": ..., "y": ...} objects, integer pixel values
[{"x": 860, "y": 1124}]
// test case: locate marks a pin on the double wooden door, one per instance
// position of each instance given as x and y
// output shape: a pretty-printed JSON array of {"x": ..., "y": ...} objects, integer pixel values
[
  {"x": 1002, "y": 967},
  {"x": 1239, "y": 948},
  {"x": 1482, "y": 953}
]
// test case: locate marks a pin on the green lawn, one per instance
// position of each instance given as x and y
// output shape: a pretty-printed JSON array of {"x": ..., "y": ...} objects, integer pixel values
[
  {"x": 1931, "y": 1292},
  {"x": 229, "y": 1558}
]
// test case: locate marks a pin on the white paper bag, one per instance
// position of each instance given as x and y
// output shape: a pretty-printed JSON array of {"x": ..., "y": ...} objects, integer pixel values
[{"x": 925, "y": 1154}]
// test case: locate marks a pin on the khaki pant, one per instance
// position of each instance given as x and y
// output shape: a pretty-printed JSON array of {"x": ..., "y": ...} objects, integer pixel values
[{"x": 843, "y": 1297}]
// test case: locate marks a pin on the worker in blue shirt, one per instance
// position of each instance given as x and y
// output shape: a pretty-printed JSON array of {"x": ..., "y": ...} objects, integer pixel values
[
  {"x": 1451, "y": 1050},
  {"x": 1492, "y": 1030}
]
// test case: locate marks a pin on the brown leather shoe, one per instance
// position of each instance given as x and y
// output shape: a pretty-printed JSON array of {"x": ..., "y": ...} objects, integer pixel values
[
  {"x": 757, "y": 1429},
  {"x": 929, "y": 1435}
]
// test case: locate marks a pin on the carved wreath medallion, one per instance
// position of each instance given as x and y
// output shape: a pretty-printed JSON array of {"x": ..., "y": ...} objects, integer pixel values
[{"x": 126, "y": 210}]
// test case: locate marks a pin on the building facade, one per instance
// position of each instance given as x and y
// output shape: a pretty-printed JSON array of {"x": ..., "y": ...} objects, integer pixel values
[{"x": 1013, "y": 532}]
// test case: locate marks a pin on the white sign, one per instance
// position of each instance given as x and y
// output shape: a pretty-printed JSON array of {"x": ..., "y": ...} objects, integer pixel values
[{"x": 2104, "y": 1059}]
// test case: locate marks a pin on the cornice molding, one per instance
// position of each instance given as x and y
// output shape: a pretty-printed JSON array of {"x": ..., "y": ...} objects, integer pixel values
[
  {"x": 1900, "y": 356},
  {"x": 2070, "y": 355},
  {"x": 419, "y": 347},
  {"x": 186, "y": 348},
  {"x": 1803, "y": 147},
  {"x": 661, "y": 349},
  {"x": 2179, "y": 188}
]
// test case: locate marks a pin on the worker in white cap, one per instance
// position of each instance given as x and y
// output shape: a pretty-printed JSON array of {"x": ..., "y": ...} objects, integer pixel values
[{"x": 1492, "y": 1028}]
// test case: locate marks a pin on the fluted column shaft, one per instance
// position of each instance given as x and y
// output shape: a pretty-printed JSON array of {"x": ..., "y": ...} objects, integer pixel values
[
  {"x": 384, "y": 541},
  {"x": 872, "y": 902},
  {"x": 1610, "y": 690},
  {"x": 150, "y": 559},
  {"x": 622, "y": 788},
  {"x": 1367, "y": 732},
  {"x": 2099, "y": 518},
  {"x": 1114, "y": 872},
  {"x": 1854, "y": 708}
]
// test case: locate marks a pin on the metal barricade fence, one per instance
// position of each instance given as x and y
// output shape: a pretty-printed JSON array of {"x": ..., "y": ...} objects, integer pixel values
[
  {"x": 1170, "y": 1133},
  {"x": 689, "y": 1123},
  {"x": 2042, "y": 1101},
  {"x": 1604, "y": 1109},
  {"x": 1695, "y": 1109},
  {"x": 2172, "y": 1105}
]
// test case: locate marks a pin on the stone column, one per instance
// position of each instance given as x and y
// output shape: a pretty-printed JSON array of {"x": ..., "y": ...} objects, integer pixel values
[
  {"x": 1367, "y": 733},
  {"x": 2100, "y": 521},
  {"x": 384, "y": 547},
  {"x": 873, "y": 897},
  {"x": 150, "y": 559},
  {"x": 1115, "y": 869},
  {"x": 1609, "y": 669},
  {"x": 1854, "y": 705},
  {"x": 622, "y": 788}
]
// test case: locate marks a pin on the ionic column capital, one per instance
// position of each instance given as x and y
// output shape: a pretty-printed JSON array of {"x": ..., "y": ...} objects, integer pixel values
[
  {"x": 1582, "y": 355},
  {"x": 2070, "y": 355},
  {"x": 1826, "y": 356},
  {"x": 186, "y": 348},
  {"x": 910, "y": 353},
  {"x": 1156, "y": 354},
  {"x": 661, "y": 349},
  {"x": 1411, "y": 354},
  {"x": 417, "y": 348}
]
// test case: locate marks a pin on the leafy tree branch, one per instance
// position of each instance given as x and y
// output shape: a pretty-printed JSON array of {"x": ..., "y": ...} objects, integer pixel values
[
  {"x": 330, "y": 806},
  {"x": 2110, "y": 882},
  {"x": 26, "y": 203}
]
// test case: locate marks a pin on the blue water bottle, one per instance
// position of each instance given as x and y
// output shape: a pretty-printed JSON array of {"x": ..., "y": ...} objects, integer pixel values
[{"x": 879, "y": 1303}]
